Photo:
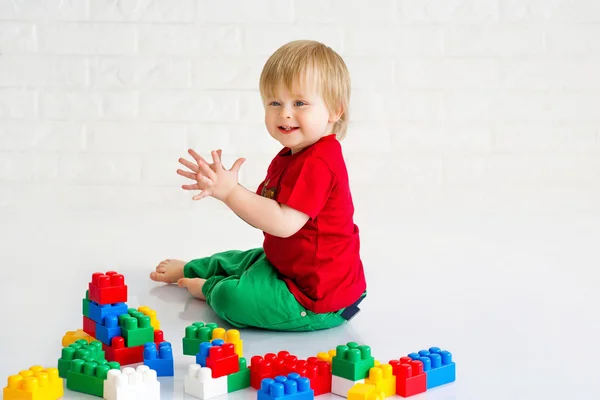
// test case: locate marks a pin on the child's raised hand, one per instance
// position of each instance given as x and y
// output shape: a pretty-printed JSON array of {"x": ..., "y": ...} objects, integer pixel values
[{"x": 211, "y": 179}]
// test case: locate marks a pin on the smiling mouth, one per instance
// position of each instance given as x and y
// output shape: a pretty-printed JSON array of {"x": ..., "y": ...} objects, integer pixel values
[{"x": 287, "y": 129}]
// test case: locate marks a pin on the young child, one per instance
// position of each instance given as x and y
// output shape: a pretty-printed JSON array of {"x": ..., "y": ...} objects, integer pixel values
[{"x": 308, "y": 275}]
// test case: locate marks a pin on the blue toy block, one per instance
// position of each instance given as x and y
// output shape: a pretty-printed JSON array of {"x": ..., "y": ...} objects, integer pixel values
[
  {"x": 100, "y": 311},
  {"x": 105, "y": 332},
  {"x": 204, "y": 349},
  {"x": 161, "y": 362},
  {"x": 437, "y": 365},
  {"x": 293, "y": 387}
]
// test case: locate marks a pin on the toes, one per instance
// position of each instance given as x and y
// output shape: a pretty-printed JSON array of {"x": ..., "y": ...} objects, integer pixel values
[
  {"x": 154, "y": 276},
  {"x": 161, "y": 268},
  {"x": 183, "y": 282}
]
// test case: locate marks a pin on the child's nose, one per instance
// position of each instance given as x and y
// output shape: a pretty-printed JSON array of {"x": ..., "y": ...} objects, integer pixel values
[{"x": 286, "y": 112}]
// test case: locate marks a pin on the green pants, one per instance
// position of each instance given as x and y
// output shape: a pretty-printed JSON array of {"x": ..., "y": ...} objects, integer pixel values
[{"x": 243, "y": 288}]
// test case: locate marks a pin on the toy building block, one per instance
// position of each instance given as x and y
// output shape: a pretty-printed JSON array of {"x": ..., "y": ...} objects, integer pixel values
[
  {"x": 98, "y": 312},
  {"x": 160, "y": 361},
  {"x": 261, "y": 368},
  {"x": 152, "y": 314},
  {"x": 195, "y": 334},
  {"x": 108, "y": 330},
  {"x": 219, "y": 356},
  {"x": 71, "y": 337},
  {"x": 121, "y": 354},
  {"x": 239, "y": 380},
  {"x": 383, "y": 378},
  {"x": 230, "y": 336},
  {"x": 35, "y": 383},
  {"x": 80, "y": 350},
  {"x": 136, "y": 328},
  {"x": 341, "y": 386},
  {"x": 292, "y": 387},
  {"x": 132, "y": 384},
  {"x": 200, "y": 383},
  {"x": 88, "y": 377},
  {"x": 438, "y": 366},
  {"x": 319, "y": 374},
  {"x": 326, "y": 356},
  {"x": 85, "y": 304},
  {"x": 108, "y": 288},
  {"x": 410, "y": 377},
  {"x": 89, "y": 326},
  {"x": 365, "y": 391},
  {"x": 352, "y": 361}
]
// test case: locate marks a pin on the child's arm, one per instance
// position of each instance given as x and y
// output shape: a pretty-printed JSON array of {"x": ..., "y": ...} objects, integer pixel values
[{"x": 260, "y": 212}]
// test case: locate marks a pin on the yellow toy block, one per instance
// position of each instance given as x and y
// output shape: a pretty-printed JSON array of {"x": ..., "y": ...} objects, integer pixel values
[
  {"x": 35, "y": 383},
  {"x": 383, "y": 378},
  {"x": 230, "y": 336},
  {"x": 364, "y": 391},
  {"x": 322, "y": 356},
  {"x": 154, "y": 322},
  {"x": 73, "y": 336}
]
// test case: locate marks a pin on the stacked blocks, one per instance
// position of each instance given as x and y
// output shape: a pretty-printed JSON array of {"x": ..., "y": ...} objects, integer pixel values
[
  {"x": 365, "y": 391},
  {"x": 132, "y": 384},
  {"x": 438, "y": 366},
  {"x": 221, "y": 358},
  {"x": 199, "y": 332},
  {"x": 152, "y": 314},
  {"x": 88, "y": 377},
  {"x": 36, "y": 383},
  {"x": 231, "y": 336},
  {"x": 71, "y": 337},
  {"x": 292, "y": 387},
  {"x": 239, "y": 380},
  {"x": 108, "y": 288},
  {"x": 80, "y": 350},
  {"x": 160, "y": 361},
  {"x": 200, "y": 383},
  {"x": 410, "y": 377},
  {"x": 136, "y": 328},
  {"x": 117, "y": 351},
  {"x": 382, "y": 377},
  {"x": 349, "y": 366}
]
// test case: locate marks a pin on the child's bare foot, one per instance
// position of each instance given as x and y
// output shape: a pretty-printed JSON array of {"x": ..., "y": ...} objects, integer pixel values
[
  {"x": 168, "y": 271},
  {"x": 193, "y": 285}
]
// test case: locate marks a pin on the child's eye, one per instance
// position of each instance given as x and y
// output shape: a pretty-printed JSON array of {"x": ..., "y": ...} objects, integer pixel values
[
  {"x": 299, "y": 103},
  {"x": 273, "y": 103}
]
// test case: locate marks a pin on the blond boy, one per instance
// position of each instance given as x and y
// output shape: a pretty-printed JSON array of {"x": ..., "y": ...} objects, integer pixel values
[{"x": 308, "y": 275}]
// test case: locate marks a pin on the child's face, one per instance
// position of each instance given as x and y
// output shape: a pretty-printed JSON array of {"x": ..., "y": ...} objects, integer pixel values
[{"x": 298, "y": 120}]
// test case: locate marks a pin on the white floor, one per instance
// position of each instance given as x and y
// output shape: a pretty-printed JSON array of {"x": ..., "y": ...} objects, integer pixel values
[{"x": 513, "y": 295}]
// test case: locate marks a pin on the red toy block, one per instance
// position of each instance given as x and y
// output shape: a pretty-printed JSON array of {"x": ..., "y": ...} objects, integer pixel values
[
  {"x": 410, "y": 378},
  {"x": 223, "y": 360},
  {"x": 108, "y": 288},
  {"x": 319, "y": 373},
  {"x": 89, "y": 326},
  {"x": 159, "y": 337},
  {"x": 121, "y": 354},
  {"x": 261, "y": 368}
]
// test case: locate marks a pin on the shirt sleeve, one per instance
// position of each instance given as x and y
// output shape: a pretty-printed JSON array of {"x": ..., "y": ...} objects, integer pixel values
[{"x": 308, "y": 187}]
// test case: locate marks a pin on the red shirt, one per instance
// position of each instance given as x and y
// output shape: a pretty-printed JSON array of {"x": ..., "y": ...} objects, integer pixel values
[{"x": 321, "y": 262}]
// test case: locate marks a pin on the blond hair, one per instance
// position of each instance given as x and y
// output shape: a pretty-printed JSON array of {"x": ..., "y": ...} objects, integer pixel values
[{"x": 295, "y": 60}]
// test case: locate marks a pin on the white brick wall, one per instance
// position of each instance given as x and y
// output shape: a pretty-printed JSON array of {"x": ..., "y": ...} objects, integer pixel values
[{"x": 98, "y": 98}]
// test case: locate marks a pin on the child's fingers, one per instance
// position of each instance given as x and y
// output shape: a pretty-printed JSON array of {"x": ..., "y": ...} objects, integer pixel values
[
  {"x": 190, "y": 187},
  {"x": 207, "y": 172},
  {"x": 201, "y": 195},
  {"x": 189, "y": 164},
  {"x": 187, "y": 174},
  {"x": 197, "y": 157}
]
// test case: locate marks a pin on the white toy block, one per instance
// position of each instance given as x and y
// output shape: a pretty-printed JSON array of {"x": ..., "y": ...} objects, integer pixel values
[
  {"x": 200, "y": 383},
  {"x": 341, "y": 386},
  {"x": 132, "y": 384}
]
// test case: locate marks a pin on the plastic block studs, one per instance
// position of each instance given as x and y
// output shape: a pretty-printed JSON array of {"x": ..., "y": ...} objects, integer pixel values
[
  {"x": 132, "y": 384},
  {"x": 364, "y": 391},
  {"x": 195, "y": 334},
  {"x": 80, "y": 350},
  {"x": 410, "y": 378},
  {"x": 352, "y": 361},
  {"x": 88, "y": 377},
  {"x": 222, "y": 359},
  {"x": 71, "y": 337},
  {"x": 318, "y": 372},
  {"x": 160, "y": 361},
  {"x": 121, "y": 354},
  {"x": 261, "y": 368},
  {"x": 383, "y": 378},
  {"x": 108, "y": 288},
  {"x": 239, "y": 380},
  {"x": 326, "y": 356},
  {"x": 36, "y": 383},
  {"x": 231, "y": 336},
  {"x": 438, "y": 366},
  {"x": 152, "y": 314},
  {"x": 108, "y": 330},
  {"x": 341, "y": 386},
  {"x": 200, "y": 383},
  {"x": 136, "y": 328},
  {"x": 98, "y": 312},
  {"x": 292, "y": 387}
]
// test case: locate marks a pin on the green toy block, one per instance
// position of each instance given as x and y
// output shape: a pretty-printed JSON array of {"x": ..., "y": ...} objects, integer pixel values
[
  {"x": 352, "y": 361},
  {"x": 88, "y": 377},
  {"x": 239, "y": 380},
  {"x": 80, "y": 350},
  {"x": 86, "y": 304},
  {"x": 136, "y": 328},
  {"x": 195, "y": 334}
]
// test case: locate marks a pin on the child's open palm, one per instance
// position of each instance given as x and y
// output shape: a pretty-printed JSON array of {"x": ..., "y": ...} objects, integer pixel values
[{"x": 211, "y": 179}]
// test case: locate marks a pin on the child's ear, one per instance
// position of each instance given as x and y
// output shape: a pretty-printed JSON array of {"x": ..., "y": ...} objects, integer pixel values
[{"x": 334, "y": 117}]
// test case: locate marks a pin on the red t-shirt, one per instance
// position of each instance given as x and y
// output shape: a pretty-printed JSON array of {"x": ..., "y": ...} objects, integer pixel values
[{"x": 320, "y": 263}]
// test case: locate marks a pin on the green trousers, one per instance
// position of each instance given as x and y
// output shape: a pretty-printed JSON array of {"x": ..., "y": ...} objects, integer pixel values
[{"x": 243, "y": 288}]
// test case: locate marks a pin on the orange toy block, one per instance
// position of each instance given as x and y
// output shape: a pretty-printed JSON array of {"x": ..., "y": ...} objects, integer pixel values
[
  {"x": 73, "y": 336},
  {"x": 154, "y": 322},
  {"x": 36, "y": 383},
  {"x": 364, "y": 391},
  {"x": 383, "y": 378},
  {"x": 326, "y": 356}
]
